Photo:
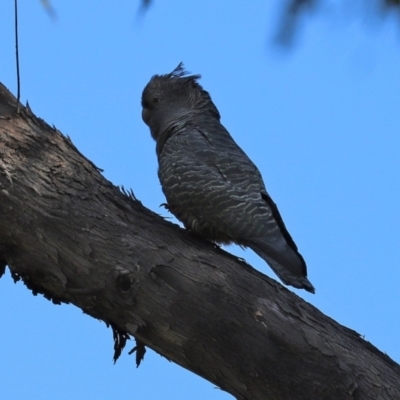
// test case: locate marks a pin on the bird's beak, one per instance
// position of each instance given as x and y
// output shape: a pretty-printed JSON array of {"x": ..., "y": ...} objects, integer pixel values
[{"x": 146, "y": 115}]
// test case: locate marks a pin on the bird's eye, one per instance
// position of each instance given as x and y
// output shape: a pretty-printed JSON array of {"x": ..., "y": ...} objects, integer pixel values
[{"x": 155, "y": 100}]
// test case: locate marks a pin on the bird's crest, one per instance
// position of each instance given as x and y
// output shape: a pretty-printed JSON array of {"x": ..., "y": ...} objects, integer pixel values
[
  {"x": 180, "y": 72},
  {"x": 179, "y": 76}
]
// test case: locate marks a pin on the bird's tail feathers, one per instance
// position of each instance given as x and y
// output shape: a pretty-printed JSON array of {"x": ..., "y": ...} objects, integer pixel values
[{"x": 288, "y": 265}]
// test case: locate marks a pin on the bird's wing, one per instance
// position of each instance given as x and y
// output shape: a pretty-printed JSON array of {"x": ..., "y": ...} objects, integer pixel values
[
  {"x": 215, "y": 181},
  {"x": 233, "y": 163},
  {"x": 237, "y": 168}
]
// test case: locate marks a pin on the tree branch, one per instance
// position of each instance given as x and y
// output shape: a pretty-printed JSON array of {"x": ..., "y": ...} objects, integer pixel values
[{"x": 71, "y": 235}]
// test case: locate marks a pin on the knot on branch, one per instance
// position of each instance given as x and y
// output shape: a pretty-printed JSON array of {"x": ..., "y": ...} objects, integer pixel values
[{"x": 125, "y": 280}]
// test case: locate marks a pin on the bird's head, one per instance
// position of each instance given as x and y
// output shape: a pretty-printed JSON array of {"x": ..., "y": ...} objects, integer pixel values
[{"x": 172, "y": 99}]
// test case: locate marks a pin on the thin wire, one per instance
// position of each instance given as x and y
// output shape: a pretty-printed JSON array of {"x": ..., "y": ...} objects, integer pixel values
[{"x": 17, "y": 52}]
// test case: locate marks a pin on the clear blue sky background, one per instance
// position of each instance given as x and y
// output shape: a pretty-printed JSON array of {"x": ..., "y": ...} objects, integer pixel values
[{"x": 320, "y": 121}]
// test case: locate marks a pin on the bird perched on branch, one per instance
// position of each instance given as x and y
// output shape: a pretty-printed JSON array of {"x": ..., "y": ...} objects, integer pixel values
[{"x": 209, "y": 182}]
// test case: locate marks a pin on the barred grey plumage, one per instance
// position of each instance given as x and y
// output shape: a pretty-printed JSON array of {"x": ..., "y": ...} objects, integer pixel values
[{"x": 209, "y": 182}]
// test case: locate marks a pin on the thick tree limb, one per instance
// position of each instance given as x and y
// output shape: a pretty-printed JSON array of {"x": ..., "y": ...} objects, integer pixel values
[{"x": 73, "y": 236}]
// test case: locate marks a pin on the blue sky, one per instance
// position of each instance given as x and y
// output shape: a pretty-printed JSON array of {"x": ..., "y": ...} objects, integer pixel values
[{"x": 321, "y": 122}]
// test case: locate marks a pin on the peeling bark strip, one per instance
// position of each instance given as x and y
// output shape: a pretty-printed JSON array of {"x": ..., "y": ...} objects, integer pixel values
[{"x": 71, "y": 235}]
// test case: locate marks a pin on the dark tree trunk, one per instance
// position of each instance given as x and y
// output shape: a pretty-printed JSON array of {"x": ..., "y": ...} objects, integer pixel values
[{"x": 71, "y": 235}]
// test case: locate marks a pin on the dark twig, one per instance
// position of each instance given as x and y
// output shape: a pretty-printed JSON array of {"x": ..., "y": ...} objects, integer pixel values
[
  {"x": 17, "y": 53},
  {"x": 140, "y": 352},
  {"x": 120, "y": 339}
]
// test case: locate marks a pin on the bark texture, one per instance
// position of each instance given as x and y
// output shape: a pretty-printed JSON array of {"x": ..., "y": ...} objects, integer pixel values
[{"x": 74, "y": 237}]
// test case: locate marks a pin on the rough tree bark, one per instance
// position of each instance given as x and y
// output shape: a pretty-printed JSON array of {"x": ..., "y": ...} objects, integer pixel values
[{"x": 71, "y": 235}]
